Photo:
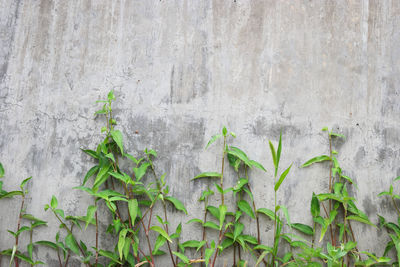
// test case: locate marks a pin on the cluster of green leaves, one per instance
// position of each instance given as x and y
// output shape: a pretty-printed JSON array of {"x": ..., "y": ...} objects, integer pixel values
[
  {"x": 119, "y": 190},
  {"x": 391, "y": 227},
  {"x": 16, "y": 252},
  {"x": 136, "y": 200}
]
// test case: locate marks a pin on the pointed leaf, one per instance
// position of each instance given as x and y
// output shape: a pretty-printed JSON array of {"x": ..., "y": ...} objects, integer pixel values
[
  {"x": 208, "y": 175},
  {"x": 117, "y": 136},
  {"x": 315, "y": 160},
  {"x": 70, "y": 242},
  {"x": 161, "y": 231},
  {"x": 213, "y": 139},
  {"x": 177, "y": 204},
  {"x": 133, "y": 207},
  {"x": 305, "y": 229},
  {"x": 283, "y": 176},
  {"x": 245, "y": 207}
]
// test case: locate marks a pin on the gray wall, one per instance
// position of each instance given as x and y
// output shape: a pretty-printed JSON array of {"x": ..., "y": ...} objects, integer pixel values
[{"x": 183, "y": 69}]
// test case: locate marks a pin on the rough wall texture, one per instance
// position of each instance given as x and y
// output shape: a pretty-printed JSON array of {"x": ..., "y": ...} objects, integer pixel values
[{"x": 181, "y": 70}]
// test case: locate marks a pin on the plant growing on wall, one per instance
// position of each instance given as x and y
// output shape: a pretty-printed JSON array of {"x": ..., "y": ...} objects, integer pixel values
[{"x": 16, "y": 254}]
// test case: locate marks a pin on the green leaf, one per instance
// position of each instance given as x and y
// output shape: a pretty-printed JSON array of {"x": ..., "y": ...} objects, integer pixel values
[
  {"x": 208, "y": 175},
  {"x": 177, "y": 203},
  {"x": 1, "y": 170},
  {"x": 181, "y": 256},
  {"x": 141, "y": 171},
  {"x": 360, "y": 219},
  {"x": 212, "y": 225},
  {"x": 214, "y": 211},
  {"x": 159, "y": 242},
  {"x": 213, "y": 139},
  {"x": 278, "y": 153},
  {"x": 262, "y": 256},
  {"x": 191, "y": 244},
  {"x": 102, "y": 175},
  {"x": 396, "y": 179},
  {"x": 283, "y": 176},
  {"x": 315, "y": 160},
  {"x": 91, "y": 210},
  {"x": 90, "y": 173},
  {"x": 267, "y": 212},
  {"x": 337, "y": 135},
  {"x": 245, "y": 207},
  {"x": 121, "y": 241},
  {"x": 110, "y": 95},
  {"x": 234, "y": 151},
  {"x": 11, "y": 194},
  {"x": 31, "y": 218},
  {"x": 133, "y": 207},
  {"x": 53, "y": 202},
  {"x": 24, "y": 182},
  {"x": 224, "y": 131},
  {"x": 305, "y": 229},
  {"x": 117, "y": 136},
  {"x": 110, "y": 255},
  {"x": 242, "y": 182},
  {"x": 47, "y": 244},
  {"x": 257, "y": 165},
  {"x": 315, "y": 206},
  {"x": 70, "y": 242},
  {"x": 91, "y": 153},
  {"x": 195, "y": 220},
  {"x": 222, "y": 213},
  {"x": 161, "y": 231},
  {"x": 273, "y": 153},
  {"x": 208, "y": 253},
  {"x": 238, "y": 230}
]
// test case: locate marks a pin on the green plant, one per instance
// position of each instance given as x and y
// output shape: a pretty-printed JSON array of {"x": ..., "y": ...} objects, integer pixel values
[
  {"x": 121, "y": 191},
  {"x": 15, "y": 252},
  {"x": 342, "y": 239},
  {"x": 393, "y": 228}
]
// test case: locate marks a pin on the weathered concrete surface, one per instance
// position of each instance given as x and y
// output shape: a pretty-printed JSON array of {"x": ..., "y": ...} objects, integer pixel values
[{"x": 181, "y": 70}]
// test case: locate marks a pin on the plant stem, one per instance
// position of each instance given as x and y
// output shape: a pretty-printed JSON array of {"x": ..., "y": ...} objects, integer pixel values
[
  {"x": 18, "y": 227},
  {"x": 333, "y": 239},
  {"x": 396, "y": 207},
  {"x": 204, "y": 228},
  {"x": 274, "y": 252},
  {"x": 97, "y": 235},
  {"x": 222, "y": 172},
  {"x": 146, "y": 232}
]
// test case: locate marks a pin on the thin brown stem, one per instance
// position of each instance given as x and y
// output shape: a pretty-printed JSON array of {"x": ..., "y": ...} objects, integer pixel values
[
  {"x": 166, "y": 229},
  {"x": 59, "y": 258},
  {"x": 18, "y": 227},
  {"x": 97, "y": 238},
  {"x": 146, "y": 231},
  {"x": 396, "y": 207}
]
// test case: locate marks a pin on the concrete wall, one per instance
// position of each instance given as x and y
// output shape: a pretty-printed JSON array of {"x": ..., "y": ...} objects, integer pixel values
[{"x": 183, "y": 69}]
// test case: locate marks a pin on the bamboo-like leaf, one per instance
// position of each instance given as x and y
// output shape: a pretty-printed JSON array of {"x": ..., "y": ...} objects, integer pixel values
[
  {"x": 262, "y": 256},
  {"x": 305, "y": 229},
  {"x": 315, "y": 160},
  {"x": 11, "y": 194},
  {"x": 117, "y": 137},
  {"x": 161, "y": 231},
  {"x": 195, "y": 220},
  {"x": 246, "y": 208},
  {"x": 278, "y": 152},
  {"x": 90, "y": 173},
  {"x": 214, "y": 211},
  {"x": 159, "y": 242},
  {"x": 24, "y": 183},
  {"x": 177, "y": 204},
  {"x": 267, "y": 212},
  {"x": 222, "y": 213},
  {"x": 121, "y": 241},
  {"x": 91, "y": 210},
  {"x": 360, "y": 219},
  {"x": 212, "y": 225},
  {"x": 238, "y": 230},
  {"x": 110, "y": 255},
  {"x": 273, "y": 153},
  {"x": 133, "y": 208},
  {"x": 70, "y": 242},
  {"x": 181, "y": 256},
  {"x": 91, "y": 153},
  {"x": 208, "y": 175},
  {"x": 213, "y": 139},
  {"x": 315, "y": 206},
  {"x": 257, "y": 165},
  {"x": 1, "y": 170},
  {"x": 141, "y": 170},
  {"x": 281, "y": 178},
  {"x": 47, "y": 244}
]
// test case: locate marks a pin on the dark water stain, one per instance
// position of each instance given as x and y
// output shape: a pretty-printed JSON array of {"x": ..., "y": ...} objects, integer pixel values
[
  {"x": 262, "y": 128},
  {"x": 360, "y": 156},
  {"x": 369, "y": 207}
]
